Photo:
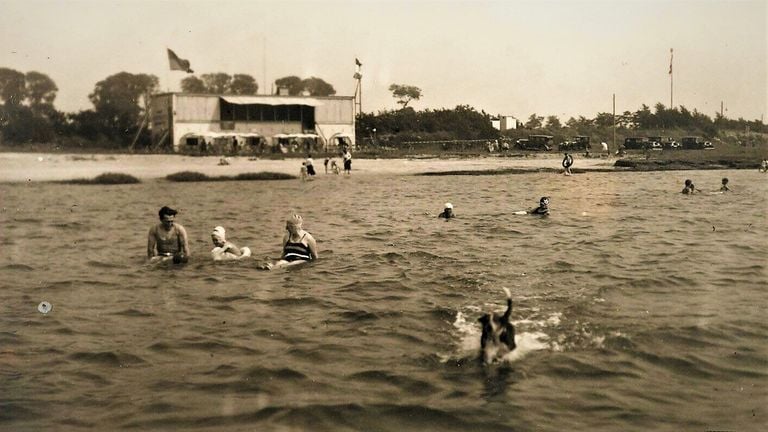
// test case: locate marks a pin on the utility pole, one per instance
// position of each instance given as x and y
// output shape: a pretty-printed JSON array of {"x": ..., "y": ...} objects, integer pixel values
[
  {"x": 721, "y": 109},
  {"x": 264, "y": 61},
  {"x": 358, "y": 76}
]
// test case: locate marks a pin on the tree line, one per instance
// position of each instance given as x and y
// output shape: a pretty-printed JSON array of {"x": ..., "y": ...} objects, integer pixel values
[{"x": 120, "y": 106}]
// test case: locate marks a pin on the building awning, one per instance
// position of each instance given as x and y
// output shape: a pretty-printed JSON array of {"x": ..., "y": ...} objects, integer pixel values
[
  {"x": 271, "y": 100},
  {"x": 224, "y": 134}
]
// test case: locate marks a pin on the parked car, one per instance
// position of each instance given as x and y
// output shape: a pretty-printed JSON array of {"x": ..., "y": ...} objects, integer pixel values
[
  {"x": 535, "y": 142},
  {"x": 579, "y": 142},
  {"x": 635, "y": 143},
  {"x": 665, "y": 143},
  {"x": 695, "y": 143}
]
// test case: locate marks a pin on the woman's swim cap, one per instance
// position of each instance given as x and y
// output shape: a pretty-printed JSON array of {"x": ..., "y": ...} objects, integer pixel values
[
  {"x": 544, "y": 201},
  {"x": 448, "y": 205},
  {"x": 294, "y": 219},
  {"x": 220, "y": 233}
]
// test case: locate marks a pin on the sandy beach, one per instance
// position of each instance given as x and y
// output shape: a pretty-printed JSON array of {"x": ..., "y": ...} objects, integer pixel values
[{"x": 23, "y": 167}]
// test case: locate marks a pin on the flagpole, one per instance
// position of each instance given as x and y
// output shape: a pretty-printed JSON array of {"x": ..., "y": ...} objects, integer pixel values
[{"x": 671, "y": 78}]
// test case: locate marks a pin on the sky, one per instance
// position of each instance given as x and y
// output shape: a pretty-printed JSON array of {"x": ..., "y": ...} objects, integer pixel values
[{"x": 558, "y": 57}]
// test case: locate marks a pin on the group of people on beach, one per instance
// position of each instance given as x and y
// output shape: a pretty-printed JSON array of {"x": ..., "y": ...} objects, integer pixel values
[
  {"x": 307, "y": 170},
  {"x": 168, "y": 240}
]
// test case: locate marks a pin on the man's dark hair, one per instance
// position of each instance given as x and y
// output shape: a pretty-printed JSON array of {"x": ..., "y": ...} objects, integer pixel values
[{"x": 166, "y": 211}]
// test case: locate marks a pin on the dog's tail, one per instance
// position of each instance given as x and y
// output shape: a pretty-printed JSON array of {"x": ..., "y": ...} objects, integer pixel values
[{"x": 509, "y": 303}]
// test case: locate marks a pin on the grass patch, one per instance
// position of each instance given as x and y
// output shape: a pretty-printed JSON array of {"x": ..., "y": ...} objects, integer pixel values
[
  {"x": 193, "y": 176},
  {"x": 105, "y": 179}
]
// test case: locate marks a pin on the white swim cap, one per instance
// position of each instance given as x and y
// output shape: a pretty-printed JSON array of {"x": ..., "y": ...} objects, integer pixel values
[
  {"x": 220, "y": 233},
  {"x": 448, "y": 205}
]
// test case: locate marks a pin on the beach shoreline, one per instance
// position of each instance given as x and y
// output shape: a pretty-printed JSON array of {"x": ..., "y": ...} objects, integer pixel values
[{"x": 41, "y": 167}]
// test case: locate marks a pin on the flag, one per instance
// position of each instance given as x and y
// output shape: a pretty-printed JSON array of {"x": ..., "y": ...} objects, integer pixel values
[
  {"x": 178, "y": 63},
  {"x": 671, "y": 55},
  {"x": 357, "y": 62}
]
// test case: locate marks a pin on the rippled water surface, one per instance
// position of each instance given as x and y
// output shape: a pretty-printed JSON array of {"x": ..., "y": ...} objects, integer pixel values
[{"x": 636, "y": 308}]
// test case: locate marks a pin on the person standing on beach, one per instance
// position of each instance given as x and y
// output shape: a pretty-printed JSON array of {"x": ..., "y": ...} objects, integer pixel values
[
  {"x": 348, "y": 162},
  {"x": 168, "y": 238},
  {"x": 310, "y": 165},
  {"x": 567, "y": 162}
]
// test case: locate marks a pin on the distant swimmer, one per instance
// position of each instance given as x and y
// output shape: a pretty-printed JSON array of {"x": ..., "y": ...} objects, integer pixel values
[
  {"x": 724, "y": 187},
  {"x": 447, "y": 212},
  {"x": 334, "y": 167},
  {"x": 167, "y": 239},
  {"x": 303, "y": 172},
  {"x": 689, "y": 188},
  {"x": 226, "y": 250},
  {"x": 764, "y": 165},
  {"x": 567, "y": 163},
  {"x": 298, "y": 245},
  {"x": 541, "y": 210}
]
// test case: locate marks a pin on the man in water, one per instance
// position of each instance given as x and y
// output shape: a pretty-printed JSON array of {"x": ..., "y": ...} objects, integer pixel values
[
  {"x": 724, "y": 187},
  {"x": 447, "y": 212},
  {"x": 347, "y": 162},
  {"x": 542, "y": 209},
  {"x": 689, "y": 188},
  {"x": 168, "y": 237}
]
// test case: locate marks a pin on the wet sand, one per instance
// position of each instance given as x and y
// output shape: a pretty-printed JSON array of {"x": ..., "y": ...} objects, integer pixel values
[{"x": 23, "y": 167}]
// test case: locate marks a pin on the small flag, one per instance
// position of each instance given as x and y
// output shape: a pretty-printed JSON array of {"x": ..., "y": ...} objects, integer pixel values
[
  {"x": 178, "y": 63},
  {"x": 357, "y": 62},
  {"x": 671, "y": 55}
]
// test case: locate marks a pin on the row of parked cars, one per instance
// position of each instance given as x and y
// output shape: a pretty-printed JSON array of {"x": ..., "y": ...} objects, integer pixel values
[
  {"x": 666, "y": 143},
  {"x": 581, "y": 143}
]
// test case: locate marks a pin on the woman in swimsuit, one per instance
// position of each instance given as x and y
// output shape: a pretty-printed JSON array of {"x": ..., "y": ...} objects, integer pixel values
[{"x": 298, "y": 245}]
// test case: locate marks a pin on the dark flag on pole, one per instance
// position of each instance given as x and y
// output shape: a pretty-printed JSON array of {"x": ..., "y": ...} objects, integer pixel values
[
  {"x": 671, "y": 54},
  {"x": 357, "y": 75},
  {"x": 178, "y": 63}
]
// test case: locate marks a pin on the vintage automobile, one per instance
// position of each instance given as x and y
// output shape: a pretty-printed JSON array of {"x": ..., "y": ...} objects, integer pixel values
[
  {"x": 535, "y": 142},
  {"x": 663, "y": 143},
  {"x": 694, "y": 143},
  {"x": 636, "y": 143},
  {"x": 574, "y": 143}
]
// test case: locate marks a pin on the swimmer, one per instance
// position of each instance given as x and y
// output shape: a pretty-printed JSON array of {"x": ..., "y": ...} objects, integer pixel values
[
  {"x": 335, "y": 167},
  {"x": 167, "y": 239},
  {"x": 689, "y": 188},
  {"x": 724, "y": 187},
  {"x": 542, "y": 209},
  {"x": 764, "y": 165},
  {"x": 222, "y": 246},
  {"x": 303, "y": 172},
  {"x": 447, "y": 212},
  {"x": 298, "y": 245}
]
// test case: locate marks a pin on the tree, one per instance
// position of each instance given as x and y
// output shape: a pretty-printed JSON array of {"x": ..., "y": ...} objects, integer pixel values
[
  {"x": 317, "y": 87},
  {"x": 40, "y": 90},
  {"x": 405, "y": 93},
  {"x": 534, "y": 122},
  {"x": 603, "y": 119},
  {"x": 292, "y": 83},
  {"x": 12, "y": 86},
  {"x": 118, "y": 101},
  {"x": 192, "y": 84},
  {"x": 553, "y": 122},
  {"x": 243, "y": 84},
  {"x": 219, "y": 82}
]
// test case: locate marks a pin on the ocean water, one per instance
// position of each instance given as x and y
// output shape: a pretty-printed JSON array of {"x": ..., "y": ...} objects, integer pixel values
[{"x": 636, "y": 308}]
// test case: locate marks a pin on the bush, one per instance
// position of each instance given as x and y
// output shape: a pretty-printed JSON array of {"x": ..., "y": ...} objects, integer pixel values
[
  {"x": 105, "y": 179},
  {"x": 192, "y": 176}
]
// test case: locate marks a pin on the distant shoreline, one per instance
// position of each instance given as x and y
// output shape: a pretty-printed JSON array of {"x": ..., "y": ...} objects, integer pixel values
[{"x": 41, "y": 167}]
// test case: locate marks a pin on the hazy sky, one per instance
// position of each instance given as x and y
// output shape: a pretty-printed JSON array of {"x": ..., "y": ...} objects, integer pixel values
[{"x": 511, "y": 57}]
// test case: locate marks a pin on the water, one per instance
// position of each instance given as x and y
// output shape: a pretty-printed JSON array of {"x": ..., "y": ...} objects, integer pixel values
[{"x": 635, "y": 307}]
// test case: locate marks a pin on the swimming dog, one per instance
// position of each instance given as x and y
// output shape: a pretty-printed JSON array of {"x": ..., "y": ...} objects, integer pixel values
[{"x": 498, "y": 337}]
